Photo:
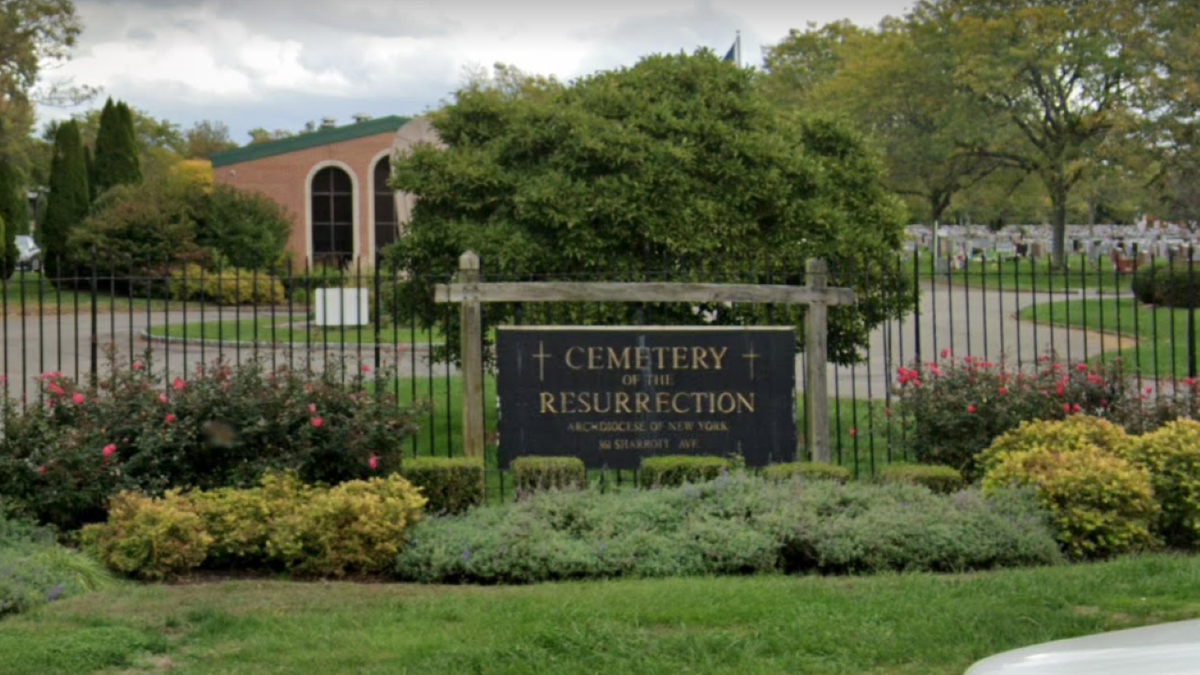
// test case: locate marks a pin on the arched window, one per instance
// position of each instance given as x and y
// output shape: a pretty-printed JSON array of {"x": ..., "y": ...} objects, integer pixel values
[
  {"x": 386, "y": 228},
  {"x": 332, "y": 215}
]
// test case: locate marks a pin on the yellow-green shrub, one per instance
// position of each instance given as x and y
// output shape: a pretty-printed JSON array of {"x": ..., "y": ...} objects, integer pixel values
[
  {"x": 451, "y": 484},
  {"x": 534, "y": 474},
  {"x": 240, "y": 521},
  {"x": 1073, "y": 432},
  {"x": 807, "y": 471},
  {"x": 228, "y": 287},
  {"x": 151, "y": 538},
  {"x": 1100, "y": 504},
  {"x": 941, "y": 479},
  {"x": 1172, "y": 456},
  {"x": 355, "y": 527}
]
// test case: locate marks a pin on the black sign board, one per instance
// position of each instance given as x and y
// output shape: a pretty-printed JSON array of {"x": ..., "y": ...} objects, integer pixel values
[{"x": 612, "y": 396}]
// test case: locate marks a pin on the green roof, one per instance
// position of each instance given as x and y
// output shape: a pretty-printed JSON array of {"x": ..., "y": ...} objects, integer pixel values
[{"x": 314, "y": 139}]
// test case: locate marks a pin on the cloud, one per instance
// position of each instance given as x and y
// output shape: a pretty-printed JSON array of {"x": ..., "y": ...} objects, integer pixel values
[{"x": 280, "y": 63}]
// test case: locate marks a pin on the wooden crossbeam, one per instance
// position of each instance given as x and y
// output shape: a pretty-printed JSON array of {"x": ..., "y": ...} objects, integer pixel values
[{"x": 566, "y": 291}]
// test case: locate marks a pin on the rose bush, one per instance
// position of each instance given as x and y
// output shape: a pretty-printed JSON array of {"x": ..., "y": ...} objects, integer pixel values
[{"x": 71, "y": 446}]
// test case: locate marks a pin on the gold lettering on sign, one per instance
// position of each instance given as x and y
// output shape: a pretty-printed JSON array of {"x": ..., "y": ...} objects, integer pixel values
[{"x": 638, "y": 403}]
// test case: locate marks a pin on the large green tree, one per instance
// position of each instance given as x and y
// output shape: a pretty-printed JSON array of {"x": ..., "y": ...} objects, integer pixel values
[
  {"x": 677, "y": 165},
  {"x": 1063, "y": 74},
  {"x": 34, "y": 35},
  {"x": 14, "y": 212},
  {"x": 69, "y": 200},
  {"x": 886, "y": 86}
]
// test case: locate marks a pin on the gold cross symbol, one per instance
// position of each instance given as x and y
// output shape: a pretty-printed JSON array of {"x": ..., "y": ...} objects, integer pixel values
[
  {"x": 751, "y": 356},
  {"x": 541, "y": 356}
]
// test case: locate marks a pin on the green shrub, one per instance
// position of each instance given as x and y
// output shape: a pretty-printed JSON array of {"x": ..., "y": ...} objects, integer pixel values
[
  {"x": 1100, "y": 504},
  {"x": 536, "y": 474},
  {"x": 149, "y": 538},
  {"x": 1172, "y": 456},
  {"x": 451, "y": 484},
  {"x": 674, "y": 470},
  {"x": 807, "y": 471},
  {"x": 356, "y": 527},
  {"x": 228, "y": 286},
  {"x": 246, "y": 228},
  {"x": 1166, "y": 285},
  {"x": 733, "y": 525},
  {"x": 941, "y": 479},
  {"x": 35, "y": 570},
  {"x": 952, "y": 409}
]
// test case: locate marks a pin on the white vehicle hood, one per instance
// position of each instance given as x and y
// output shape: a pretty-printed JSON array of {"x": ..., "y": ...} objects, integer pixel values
[{"x": 1166, "y": 649}]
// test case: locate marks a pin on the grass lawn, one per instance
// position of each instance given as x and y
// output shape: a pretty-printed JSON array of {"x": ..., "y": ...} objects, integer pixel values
[
  {"x": 1022, "y": 274},
  {"x": 241, "y": 325},
  {"x": 30, "y": 292},
  {"x": 1162, "y": 350},
  {"x": 892, "y": 624}
]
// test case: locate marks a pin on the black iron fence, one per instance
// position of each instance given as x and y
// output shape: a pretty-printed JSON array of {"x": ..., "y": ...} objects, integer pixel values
[{"x": 1010, "y": 309}]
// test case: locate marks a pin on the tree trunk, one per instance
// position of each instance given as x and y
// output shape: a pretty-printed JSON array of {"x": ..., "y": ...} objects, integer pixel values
[{"x": 1058, "y": 223}]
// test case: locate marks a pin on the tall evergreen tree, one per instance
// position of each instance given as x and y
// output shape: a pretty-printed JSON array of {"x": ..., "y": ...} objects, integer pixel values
[
  {"x": 116, "y": 157},
  {"x": 14, "y": 211},
  {"x": 68, "y": 201},
  {"x": 129, "y": 145},
  {"x": 89, "y": 164}
]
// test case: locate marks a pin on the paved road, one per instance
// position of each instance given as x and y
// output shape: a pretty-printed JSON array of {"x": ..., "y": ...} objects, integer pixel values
[{"x": 967, "y": 322}]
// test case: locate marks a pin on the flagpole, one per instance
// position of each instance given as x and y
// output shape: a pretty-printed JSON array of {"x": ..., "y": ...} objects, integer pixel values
[{"x": 737, "y": 56}]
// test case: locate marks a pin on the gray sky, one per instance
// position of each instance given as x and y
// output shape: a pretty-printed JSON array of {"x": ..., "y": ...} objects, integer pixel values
[{"x": 280, "y": 63}]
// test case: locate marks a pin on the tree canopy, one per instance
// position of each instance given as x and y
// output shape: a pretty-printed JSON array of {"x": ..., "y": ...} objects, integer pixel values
[
  {"x": 677, "y": 165},
  {"x": 115, "y": 160}
]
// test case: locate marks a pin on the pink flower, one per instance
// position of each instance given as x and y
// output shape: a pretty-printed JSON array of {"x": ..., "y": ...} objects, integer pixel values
[
  {"x": 312, "y": 408},
  {"x": 55, "y": 389},
  {"x": 318, "y": 422},
  {"x": 366, "y": 368},
  {"x": 373, "y": 462},
  {"x": 937, "y": 371},
  {"x": 1189, "y": 381},
  {"x": 42, "y": 470},
  {"x": 1060, "y": 388},
  {"x": 137, "y": 365},
  {"x": 853, "y": 432},
  {"x": 1081, "y": 367},
  {"x": 1147, "y": 390},
  {"x": 109, "y": 450},
  {"x": 170, "y": 418},
  {"x": 78, "y": 398},
  {"x": 969, "y": 359},
  {"x": 887, "y": 411},
  {"x": 971, "y": 409},
  {"x": 945, "y": 353},
  {"x": 162, "y": 398},
  {"x": 179, "y": 384},
  {"x": 1002, "y": 391},
  {"x": 1067, "y": 408},
  {"x": 1076, "y": 408}
]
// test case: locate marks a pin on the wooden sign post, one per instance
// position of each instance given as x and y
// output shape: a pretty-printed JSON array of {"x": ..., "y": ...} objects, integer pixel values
[{"x": 470, "y": 292}]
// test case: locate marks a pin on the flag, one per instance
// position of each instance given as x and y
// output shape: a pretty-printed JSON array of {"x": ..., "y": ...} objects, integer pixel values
[{"x": 731, "y": 55}]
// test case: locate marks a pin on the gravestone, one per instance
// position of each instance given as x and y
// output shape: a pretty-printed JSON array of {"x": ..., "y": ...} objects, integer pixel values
[{"x": 612, "y": 396}]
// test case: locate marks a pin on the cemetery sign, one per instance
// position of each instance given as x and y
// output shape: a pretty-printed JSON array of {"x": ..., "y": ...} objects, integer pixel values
[{"x": 614, "y": 395}]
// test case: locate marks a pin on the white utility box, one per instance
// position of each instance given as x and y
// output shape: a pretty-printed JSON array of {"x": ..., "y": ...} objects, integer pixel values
[{"x": 342, "y": 307}]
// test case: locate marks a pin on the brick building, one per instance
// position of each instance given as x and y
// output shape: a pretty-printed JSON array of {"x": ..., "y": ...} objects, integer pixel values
[{"x": 333, "y": 182}]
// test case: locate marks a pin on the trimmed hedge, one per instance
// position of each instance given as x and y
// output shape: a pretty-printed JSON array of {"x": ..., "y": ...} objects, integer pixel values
[
  {"x": 941, "y": 479},
  {"x": 807, "y": 471},
  {"x": 675, "y": 470},
  {"x": 1167, "y": 285},
  {"x": 537, "y": 474},
  {"x": 736, "y": 524},
  {"x": 451, "y": 484}
]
